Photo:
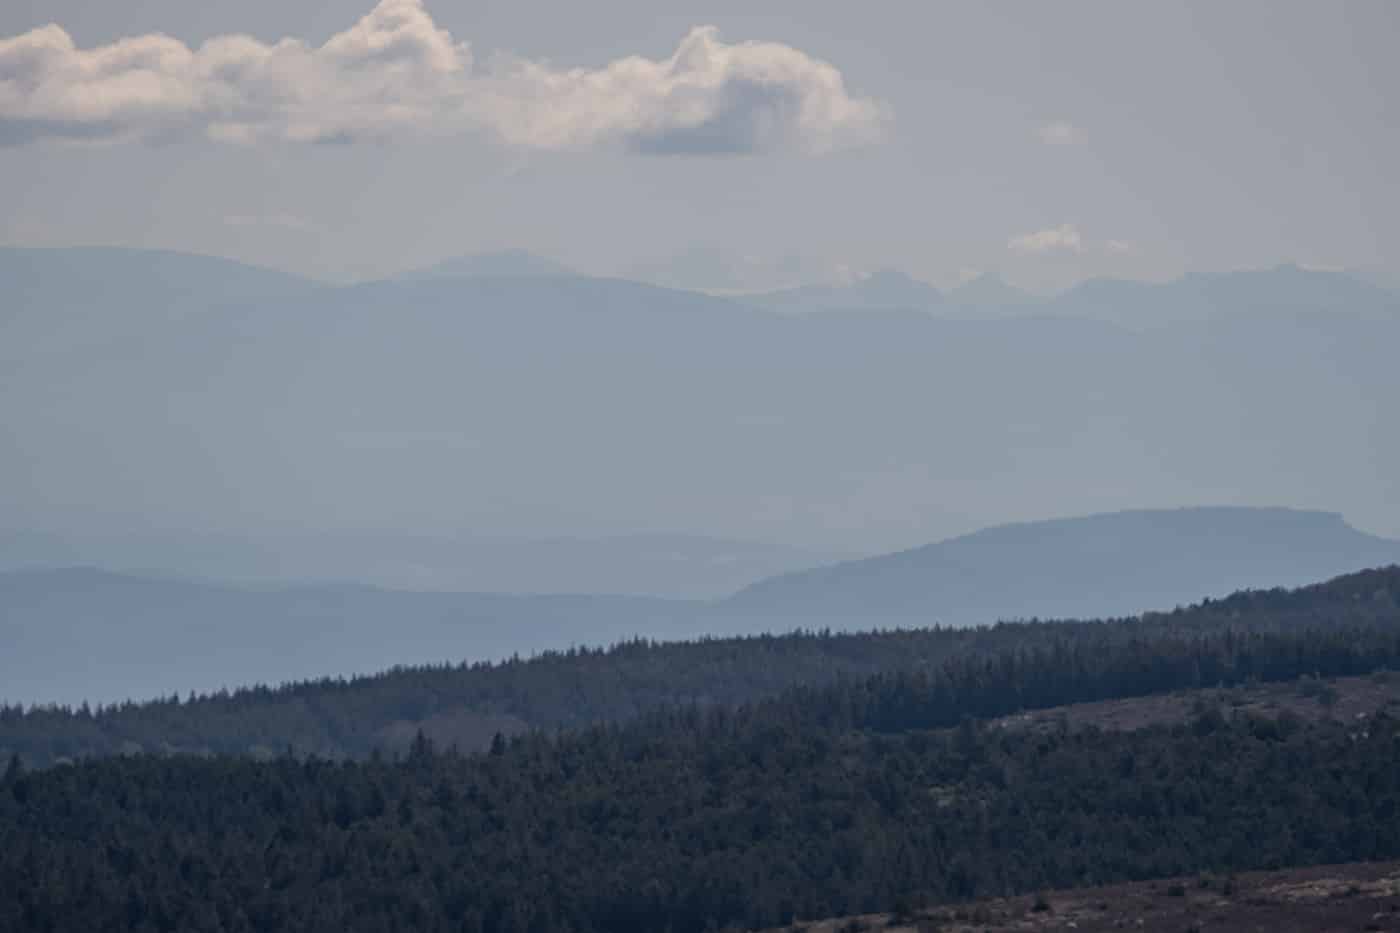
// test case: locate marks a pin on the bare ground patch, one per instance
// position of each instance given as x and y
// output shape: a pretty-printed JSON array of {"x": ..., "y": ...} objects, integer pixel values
[{"x": 1356, "y": 897}]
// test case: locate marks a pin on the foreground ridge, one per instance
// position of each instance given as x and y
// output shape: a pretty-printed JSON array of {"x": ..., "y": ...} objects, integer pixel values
[{"x": 854, "y": 797}]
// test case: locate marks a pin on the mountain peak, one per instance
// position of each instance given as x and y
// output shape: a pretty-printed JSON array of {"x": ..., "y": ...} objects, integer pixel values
[
  {"x": 990, "y": 289},
  {"x": 890, "y": 287}
]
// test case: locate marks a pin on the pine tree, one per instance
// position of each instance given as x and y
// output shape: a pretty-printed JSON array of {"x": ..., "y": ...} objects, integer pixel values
[{"x": 13, "y": 771}]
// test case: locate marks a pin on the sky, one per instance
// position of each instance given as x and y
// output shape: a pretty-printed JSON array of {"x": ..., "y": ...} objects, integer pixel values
[{"x": 1049, "y": 142}]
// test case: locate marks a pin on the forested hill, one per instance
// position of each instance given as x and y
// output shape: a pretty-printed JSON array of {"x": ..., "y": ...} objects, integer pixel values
[
  {"x": 466, "y": 705},
  {"x": 1088, "y": 567},
  {"x": 855, "y": 797},
  {"x": 74, "y": 634}
]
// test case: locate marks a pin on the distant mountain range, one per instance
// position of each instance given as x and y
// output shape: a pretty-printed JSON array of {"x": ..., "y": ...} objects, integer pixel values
[
  {"x": 161, "y": 397},
  {"x": 1102, "y": 565},
  {"x": 73, "y": 278},
  {"x": 1195, "y": 297}
]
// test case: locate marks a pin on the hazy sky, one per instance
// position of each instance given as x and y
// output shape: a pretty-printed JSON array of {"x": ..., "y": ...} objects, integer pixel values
[{"x": 1047, "y": 140}]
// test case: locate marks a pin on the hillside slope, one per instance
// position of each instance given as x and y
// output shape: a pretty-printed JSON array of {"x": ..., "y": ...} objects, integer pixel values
[
  {"x": 1198, "y": 296},
  {"x": 1099, "y": 566},
  {"x": 132, "y": 287},
  {"x": 463, "y": 704},
  {"x": 82, "y": 634}
]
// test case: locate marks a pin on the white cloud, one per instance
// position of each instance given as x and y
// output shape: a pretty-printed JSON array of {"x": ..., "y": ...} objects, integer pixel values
[
  {"x": 396, "y": 72},
  {"x": 1120, "y": 248},
  {"x": 1060, "y": 133},
  {"x": 1062, "y": 238}
]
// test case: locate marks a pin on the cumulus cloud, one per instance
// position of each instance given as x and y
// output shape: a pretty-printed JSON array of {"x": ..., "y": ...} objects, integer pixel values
[
  {"x": 1062, "y": 134},
  {"x": 1064, "y": 238},
  {"x": 395, "y": 72}
]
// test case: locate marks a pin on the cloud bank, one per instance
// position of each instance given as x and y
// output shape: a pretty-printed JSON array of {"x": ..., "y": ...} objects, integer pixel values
[
  {"x": 1062, "y": 238},
  {"x": 396, "y": 73}
]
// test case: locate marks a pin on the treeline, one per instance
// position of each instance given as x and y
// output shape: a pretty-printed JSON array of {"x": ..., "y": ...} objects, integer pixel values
[
  {"x": 465, "y": 705},
  {"x": 877, "y": 794}
]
